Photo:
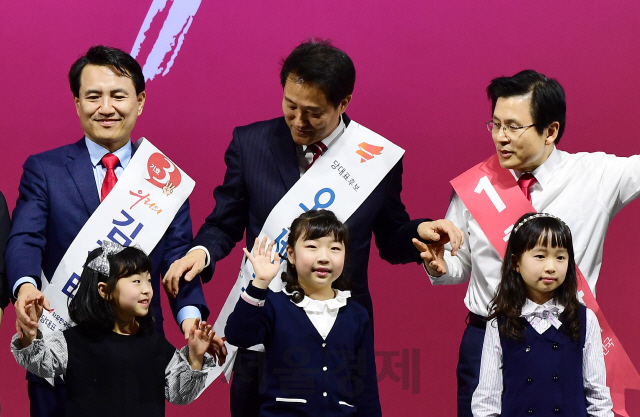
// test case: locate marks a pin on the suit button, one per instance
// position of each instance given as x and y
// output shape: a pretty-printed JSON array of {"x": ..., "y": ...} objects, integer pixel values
[
  {"x": 529, "y": 380},
  {"x": 556, "y": 346},
  {"x": 527, "y": 349},
  {"x": 556, "y": 410},
  {"x": 556, "y": 378},
  {"x": 324, "y": 368},
  {"x": 530, "y": 411},
  {"x": 324, "y": 345},
  {"x": 324, "y": 394}
]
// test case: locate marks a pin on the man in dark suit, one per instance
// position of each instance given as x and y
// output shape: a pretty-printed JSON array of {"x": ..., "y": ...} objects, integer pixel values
[
  {"x": 61, "y": 188},
  {"x": 265, "y": 159}
]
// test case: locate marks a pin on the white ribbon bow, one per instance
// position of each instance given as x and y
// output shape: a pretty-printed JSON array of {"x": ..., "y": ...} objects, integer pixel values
[{"x": 550, "y": 314}]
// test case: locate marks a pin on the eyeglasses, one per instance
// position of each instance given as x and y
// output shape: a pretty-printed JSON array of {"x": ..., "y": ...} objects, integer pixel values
[{"x": 495, "y": 128}]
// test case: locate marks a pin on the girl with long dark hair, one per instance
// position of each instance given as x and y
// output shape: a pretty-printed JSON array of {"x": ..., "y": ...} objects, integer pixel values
[{"x": 542, "y": 351}]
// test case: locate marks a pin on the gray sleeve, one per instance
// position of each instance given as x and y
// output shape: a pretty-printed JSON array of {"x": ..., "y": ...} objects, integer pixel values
[
  {"x": 46, "y": 356},
  {"x": 183, "y": 384}
]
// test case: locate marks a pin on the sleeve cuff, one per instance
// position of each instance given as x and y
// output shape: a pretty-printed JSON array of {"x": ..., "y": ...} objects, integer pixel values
[
  {"x": 206, "y": 251},
  {"x": 188, "y": 312},
  {"x": 255, "y": 292},
  {"x": 21, "y": 281},
  {"x": 441, "y": 278}
]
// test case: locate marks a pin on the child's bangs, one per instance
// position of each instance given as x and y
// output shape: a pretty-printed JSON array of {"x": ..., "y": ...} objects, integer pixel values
[
  {"x": 320, "y": 229},
  {"x": 548, "y": 232},
  {"x": 130, "y": 261}
]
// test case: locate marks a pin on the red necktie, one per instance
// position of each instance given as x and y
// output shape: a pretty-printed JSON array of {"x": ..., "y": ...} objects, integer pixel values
[
  {"x": 525, "y": 182},
  {"x": 109, "y": 161},
  {"x": 317, "y": 149}
]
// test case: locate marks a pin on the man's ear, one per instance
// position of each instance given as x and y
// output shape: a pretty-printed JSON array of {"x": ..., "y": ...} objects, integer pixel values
[
  {"x": 342, "y": 107},
  {"x": 142, "y": 97},
  {"x": 552, "y": 133}
]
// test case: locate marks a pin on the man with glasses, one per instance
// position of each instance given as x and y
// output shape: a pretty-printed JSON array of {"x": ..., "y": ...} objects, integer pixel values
[{"x": 585, "y": 190}]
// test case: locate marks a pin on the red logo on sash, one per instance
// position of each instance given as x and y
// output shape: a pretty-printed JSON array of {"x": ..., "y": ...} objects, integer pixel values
[
  {"x": 368, "y": 151},
  {"x": 493, "y": 197},
  {"x": 163, "y": 173}
]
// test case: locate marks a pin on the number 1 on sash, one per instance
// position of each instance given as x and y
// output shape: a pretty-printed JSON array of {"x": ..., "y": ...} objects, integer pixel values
[{"x": 485, "y": 185}]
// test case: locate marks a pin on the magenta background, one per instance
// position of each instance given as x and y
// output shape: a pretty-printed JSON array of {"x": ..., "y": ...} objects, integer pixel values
[{"x": 423, "y": 67}]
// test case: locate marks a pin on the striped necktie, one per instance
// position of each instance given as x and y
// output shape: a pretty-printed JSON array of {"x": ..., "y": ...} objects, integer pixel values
[{"x": 317, "y": 149}]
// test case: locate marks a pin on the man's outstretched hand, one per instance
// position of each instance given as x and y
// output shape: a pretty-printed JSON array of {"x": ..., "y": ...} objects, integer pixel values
[{"x": 437, "y": 233}]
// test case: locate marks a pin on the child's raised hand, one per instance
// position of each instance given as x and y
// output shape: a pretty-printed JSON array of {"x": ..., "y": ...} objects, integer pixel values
[
  {"x": 264, "y": 269},
  {"x": 200, "y": 337}
]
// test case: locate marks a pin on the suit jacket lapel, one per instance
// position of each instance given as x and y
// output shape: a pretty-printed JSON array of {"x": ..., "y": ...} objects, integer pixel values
[
  {"x": 79, "y": 167},
  {"x": 284, "y": 152}
]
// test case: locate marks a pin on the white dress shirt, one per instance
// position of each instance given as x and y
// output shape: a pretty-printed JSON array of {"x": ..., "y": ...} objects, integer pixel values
[
  {"x": 305, "y": 158},
  {"x": 487, "y": 398},
  {"x": 585, "y": 190}
]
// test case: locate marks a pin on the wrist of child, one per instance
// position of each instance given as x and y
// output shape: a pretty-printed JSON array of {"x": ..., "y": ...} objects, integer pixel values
[
  {"x": 263, "y": 284},
  {"x": 196, "y": 361}
]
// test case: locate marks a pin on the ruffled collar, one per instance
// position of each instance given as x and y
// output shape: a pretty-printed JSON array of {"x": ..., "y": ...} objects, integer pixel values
[
  {"x": 316, "y": 306},
  {"x": 549, "y": 311}
]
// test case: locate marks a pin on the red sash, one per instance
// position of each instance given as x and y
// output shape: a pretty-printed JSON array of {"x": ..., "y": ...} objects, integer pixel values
[{"x": 492, "y": 196}]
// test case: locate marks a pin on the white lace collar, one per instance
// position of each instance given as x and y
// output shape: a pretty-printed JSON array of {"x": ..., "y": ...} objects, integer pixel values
[{"x": 316, "y": 306}]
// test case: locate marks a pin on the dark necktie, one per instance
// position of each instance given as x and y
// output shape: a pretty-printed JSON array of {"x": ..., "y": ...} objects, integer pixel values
[
  {"x": 317, "y": 149},
  {"x": 109, "y": 161},
  {"x": 525, "y": 183}
]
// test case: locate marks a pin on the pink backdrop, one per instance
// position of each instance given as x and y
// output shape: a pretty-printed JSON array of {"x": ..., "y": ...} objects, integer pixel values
[{"x": 423, "y": 67}]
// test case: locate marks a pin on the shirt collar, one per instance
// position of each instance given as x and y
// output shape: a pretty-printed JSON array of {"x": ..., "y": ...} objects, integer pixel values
[
  {"x": 337, "y": 132},
  {"x": 316, "y": 306},
  {"x": 531, "y": 307},
  {"x": 543, "y": 172},
  {"x": 96, "y": 152},
  {"x": 547, "y": 313}
]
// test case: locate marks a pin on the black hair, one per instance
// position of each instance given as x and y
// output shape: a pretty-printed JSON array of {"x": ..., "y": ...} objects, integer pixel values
[
  {"x": 119, "y": 61},
  {"x": 512, "y": 290},
  {"x": 318, "y": 62},
  {"x": 548, "y": 102},
  {"x": 315, "y": 224},
  {"x": 88, "y": 307}
]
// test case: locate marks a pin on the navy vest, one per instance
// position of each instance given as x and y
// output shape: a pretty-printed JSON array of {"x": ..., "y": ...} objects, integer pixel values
[{"x": 543, "y": 373}]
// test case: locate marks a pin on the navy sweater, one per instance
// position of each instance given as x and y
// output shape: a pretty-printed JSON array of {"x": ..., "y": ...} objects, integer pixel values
[{"x": 305, "y": 375}]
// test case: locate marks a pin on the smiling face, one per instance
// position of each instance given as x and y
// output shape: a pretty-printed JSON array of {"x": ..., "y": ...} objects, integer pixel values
[
  {"x": 107, "y": 106},
  {"x": 543, "y": 269},
  {"x": 318, "y": 263},
  {"x": 132, "y": 296},
  {"x": 525, "y": 150},
  {"x": 309, "y": 115}
]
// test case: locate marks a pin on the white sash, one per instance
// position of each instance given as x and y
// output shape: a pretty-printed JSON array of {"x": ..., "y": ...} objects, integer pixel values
[
  {"x": 137, "y": 211},
  {"x": 340, "y": 180}
]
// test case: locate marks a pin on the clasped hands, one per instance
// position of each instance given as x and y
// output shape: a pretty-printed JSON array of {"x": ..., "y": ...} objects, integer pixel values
[{"x": 438, "y": 233}]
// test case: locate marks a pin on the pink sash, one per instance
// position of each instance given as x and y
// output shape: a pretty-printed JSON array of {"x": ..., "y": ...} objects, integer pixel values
[{"x": 492, "y": 196}]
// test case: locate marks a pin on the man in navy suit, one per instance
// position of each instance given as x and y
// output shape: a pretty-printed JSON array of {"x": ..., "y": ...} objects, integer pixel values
[
  {"x": 265, "y": 159},
  {"x": 61, "y": 188}
]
